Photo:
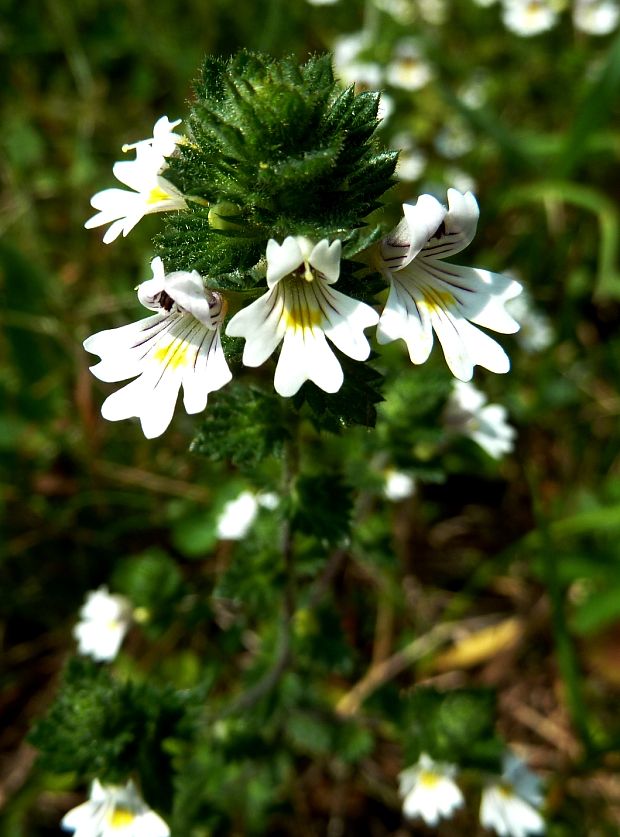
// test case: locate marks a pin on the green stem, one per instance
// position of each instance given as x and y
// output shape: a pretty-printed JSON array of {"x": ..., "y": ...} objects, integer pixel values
[{"x": 284, "y": 656}]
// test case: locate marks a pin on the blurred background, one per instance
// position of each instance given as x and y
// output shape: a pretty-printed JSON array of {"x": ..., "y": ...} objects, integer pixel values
[{"x": 528, "y": 120}]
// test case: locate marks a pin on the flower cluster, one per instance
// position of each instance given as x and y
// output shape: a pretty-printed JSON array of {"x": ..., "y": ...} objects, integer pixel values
[
  {"x": 509, "y": 804},
  {"x": 531, "y": 17},
  {"x": 180, "y": 344}
]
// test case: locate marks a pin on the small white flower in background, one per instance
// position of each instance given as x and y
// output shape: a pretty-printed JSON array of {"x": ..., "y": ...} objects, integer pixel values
[
  {"x": 238, "y": 515},
  {"x": 123, "y": 209},
  {"x": 301, "y": 309},
  {"x": 485, "y": 3},
  {"x": 454, "y": 139},
  {"x": 347, "y": 48},
  {"x": 460, "y": 180},
  {"x": 434, "y": 12},
  {"x": 104, "y": 620},
  {"x": 408, "y": 69},
  {"x": 510, "y": 806},
  {"x": 529, "y": 17},
  {"x": 429, "y": 294},
  {"x": 428, "y": 790},
  {"x": 350, "y": 68},
  {"x": 536, "y": 332},
  {"x": 163, "y": 141},
  {"x": 401, "y": 10},
  {"x": 114, "y": 811},
  {"x": 411, "y": 161},
  {"x": 467, "y": 412},
  {"x": 596, "y": 17},
  {"x": 179, "y": 346},
  {"x": 398, "y": 485}
]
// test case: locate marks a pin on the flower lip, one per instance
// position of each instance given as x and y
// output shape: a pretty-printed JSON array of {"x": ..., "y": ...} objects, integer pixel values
[{"x": 299, "y": 252}]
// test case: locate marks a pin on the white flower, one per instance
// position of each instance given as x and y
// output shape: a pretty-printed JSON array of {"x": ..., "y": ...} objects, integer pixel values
[
  {"x": 408, "y": 70},
  {"x": 179, "y": 345},
  {"x": 529, "y": 17},
  {"x": 596, "y": 17},
  {"x": 434, "y": 12},
  {"x": 398, "y": 485},
  {"x": 411, "y": 161},
  {"x": 429, "y": 294},
  {"x": 114, "y": 811},
  {"x": 486, "y": 424},
  {"x": 536, "y": 332},
  {"x": 401, "y": 10},
  {"x": 237, "y": 516},
  {"x": 104, "y": 620},
  {"x": 163, "y": 141},
  {"x": 428, "y": 790},
  {"x": 123, "y": 209},
  {"x": 302, "y": 309},
  {"x": 510, "y": 806}
]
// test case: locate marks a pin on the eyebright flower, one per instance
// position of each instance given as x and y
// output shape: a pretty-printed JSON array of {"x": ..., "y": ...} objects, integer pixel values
[
  {"x": 163, "y": 141},
  {"x": 398, "y": 485},
  {"x": 486, "y": 424},
  {"x": 179, "y": 345},
  {"x": 408, "y": 69},
  {"x": 529, "y": 17},
  {"x": 596, "y": 17},
  {"x": 114, "y": 811},
  {"x": 302, "y": 309},
  {"x": 429, "y": 294},
  {"x": 123, "y": 209},
  {"x": 104, "y": 620},
  {"x": 238, "y": 515},
  {"x": 510, "y": 806},
  {"x": 428, "y": 790}
]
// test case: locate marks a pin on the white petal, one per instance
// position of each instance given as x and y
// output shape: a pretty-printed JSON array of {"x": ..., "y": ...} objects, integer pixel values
[
  {"x": 465, "y": 346},
  {"x": 480, "y": 294},
  {"x": 209, "y": 372},
  {"x": 150, "y": 825},
  {"x": 403, "y": 317},
  {"x": 123, "y": 349},
  {"x": 282, "y": 259},
  {"x": 188, "y": 291},
  {"x": 261, "y": 324},
  {"x": 458, "y": 228},
  {"x": 325, "y": 258},
  {"x": 345, "y": 321},
  {"x": 421, "y": 221},
  {"x": 305, "y": 355}
]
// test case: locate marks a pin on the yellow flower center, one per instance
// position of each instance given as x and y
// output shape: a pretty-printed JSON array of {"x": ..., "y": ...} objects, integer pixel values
[
  {"x": 156, "y": 195},
  {"x": 121, "y": 817},
  {"x": 436, "y": 300},
  {"x": 300, "y": 308},
  {"x": 506, "y": 790},
  {"x": 174, "y": 354},
  {"x": 429, "y": 779}
]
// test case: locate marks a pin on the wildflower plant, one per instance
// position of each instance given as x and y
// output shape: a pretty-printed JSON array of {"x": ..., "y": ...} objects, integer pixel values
[{"x": 278, "y": 276}]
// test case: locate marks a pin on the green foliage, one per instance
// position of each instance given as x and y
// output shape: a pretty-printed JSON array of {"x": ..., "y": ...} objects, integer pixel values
[
  {"x": 244, "y": 425},
  {"x": 285, "y": 150},
  {"x": 456, "y": 726},
  {"x": 322, "y": 506},
  {"x": 101, "y": 728}
]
